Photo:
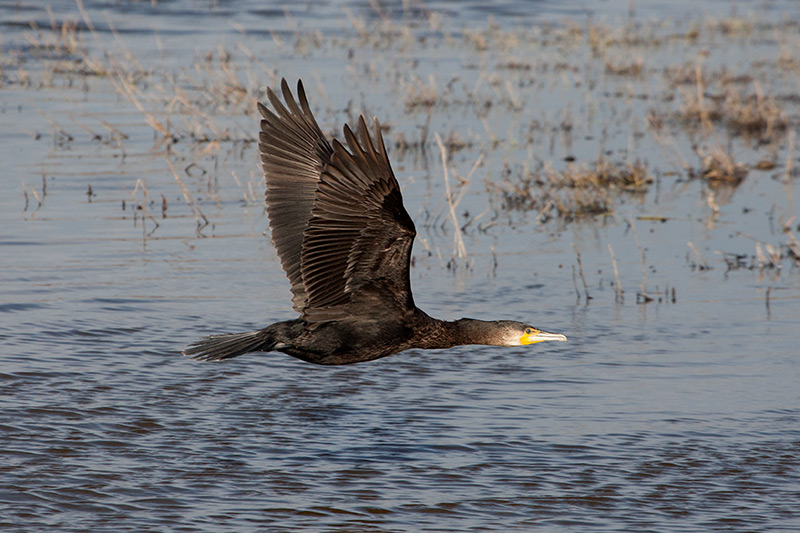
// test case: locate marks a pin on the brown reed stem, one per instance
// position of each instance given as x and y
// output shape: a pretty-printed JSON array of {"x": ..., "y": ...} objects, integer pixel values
[
  {"x": 460, "y": 251},
  {"x": 580, "y": 273},
  {"x": 617, "y": 286}
]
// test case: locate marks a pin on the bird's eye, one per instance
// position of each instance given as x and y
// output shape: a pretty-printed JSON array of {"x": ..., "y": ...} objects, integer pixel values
[{"x": 528, "y": 331}]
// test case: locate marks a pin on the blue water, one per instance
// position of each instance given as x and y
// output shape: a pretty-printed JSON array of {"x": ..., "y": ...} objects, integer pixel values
[{"x": 667, "y": 416}]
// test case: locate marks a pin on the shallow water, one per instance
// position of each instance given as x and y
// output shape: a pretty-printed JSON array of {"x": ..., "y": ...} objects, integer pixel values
[{"x": 671, "y": 415}]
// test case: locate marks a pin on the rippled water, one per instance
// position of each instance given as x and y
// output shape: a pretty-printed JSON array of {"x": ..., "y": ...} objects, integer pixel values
[{"x": 679, "y": 415}]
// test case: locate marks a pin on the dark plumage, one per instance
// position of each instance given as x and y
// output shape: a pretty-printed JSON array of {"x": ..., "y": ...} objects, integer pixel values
[{"x": 344, "y": 239}]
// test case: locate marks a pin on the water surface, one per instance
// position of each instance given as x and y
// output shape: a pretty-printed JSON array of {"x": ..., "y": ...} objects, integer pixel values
[{"x": 678, "y": 414}]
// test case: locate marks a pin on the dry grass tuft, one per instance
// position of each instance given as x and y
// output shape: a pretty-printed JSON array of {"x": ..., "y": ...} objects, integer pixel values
[
  {"x": 421, "y": 95},
  {"x": 61, "y": 41},
  {"x": 719, "y": 167},
  {"x": 755, "y": 115},
  {"x": 603, "y": 174},
  {"x": 767, "y": 256},
  {"x": 732, "y": 26},
  {"x": 627, "y": 68},
  {"x": 579, "y": 191},
  {"x": 719, "y": 99}
]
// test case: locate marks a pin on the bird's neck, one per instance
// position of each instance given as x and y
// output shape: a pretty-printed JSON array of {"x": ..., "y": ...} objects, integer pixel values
[
  {"x": 446, "y": 334},
  {"x": 472, "y": 331}
]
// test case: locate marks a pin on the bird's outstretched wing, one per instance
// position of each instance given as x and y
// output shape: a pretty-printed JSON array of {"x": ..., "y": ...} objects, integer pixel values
[
  {"x": 293, "y": 153},
  {"x": 352, "y": 240}
]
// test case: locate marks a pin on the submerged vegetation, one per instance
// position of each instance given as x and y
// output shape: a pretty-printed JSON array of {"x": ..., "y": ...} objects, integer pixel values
[{"x": 565, "y": 121}]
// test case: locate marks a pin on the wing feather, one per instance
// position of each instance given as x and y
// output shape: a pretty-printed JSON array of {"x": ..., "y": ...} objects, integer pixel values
[{"x": 293, "y": 153}]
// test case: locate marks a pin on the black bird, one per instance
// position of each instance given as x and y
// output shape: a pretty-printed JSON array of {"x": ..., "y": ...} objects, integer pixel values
[{"x": 344, "y": 239}]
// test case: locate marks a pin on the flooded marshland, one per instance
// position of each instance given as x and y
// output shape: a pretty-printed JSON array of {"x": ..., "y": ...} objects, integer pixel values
[{"x": 624, "y": 176}]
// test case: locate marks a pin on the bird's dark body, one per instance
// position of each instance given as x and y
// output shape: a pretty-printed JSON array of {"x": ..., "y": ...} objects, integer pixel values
[
  {"x": 344, "y": 239},
  {"x": 339, "y": 342},
  {"x": 345, "y": 341}
]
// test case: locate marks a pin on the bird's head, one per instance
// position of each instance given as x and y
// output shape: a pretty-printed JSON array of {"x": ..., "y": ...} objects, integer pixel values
[
  {"x": 531, "y": 335},
  {"x": 506, "y": 333}
]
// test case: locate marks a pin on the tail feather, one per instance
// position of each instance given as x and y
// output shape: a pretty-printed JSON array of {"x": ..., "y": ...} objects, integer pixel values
[{"x": 219, "y": 347}]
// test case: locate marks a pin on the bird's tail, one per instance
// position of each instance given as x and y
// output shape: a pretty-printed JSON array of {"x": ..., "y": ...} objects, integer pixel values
[{"x": 219, "y": 347}]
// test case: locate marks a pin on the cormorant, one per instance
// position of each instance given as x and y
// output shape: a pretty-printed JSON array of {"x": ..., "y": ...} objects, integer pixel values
[{"x": 344, "y": 239}]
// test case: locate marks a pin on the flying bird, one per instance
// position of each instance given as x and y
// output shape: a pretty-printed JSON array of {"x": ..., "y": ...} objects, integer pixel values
[{"x": 344, "y": 240}]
